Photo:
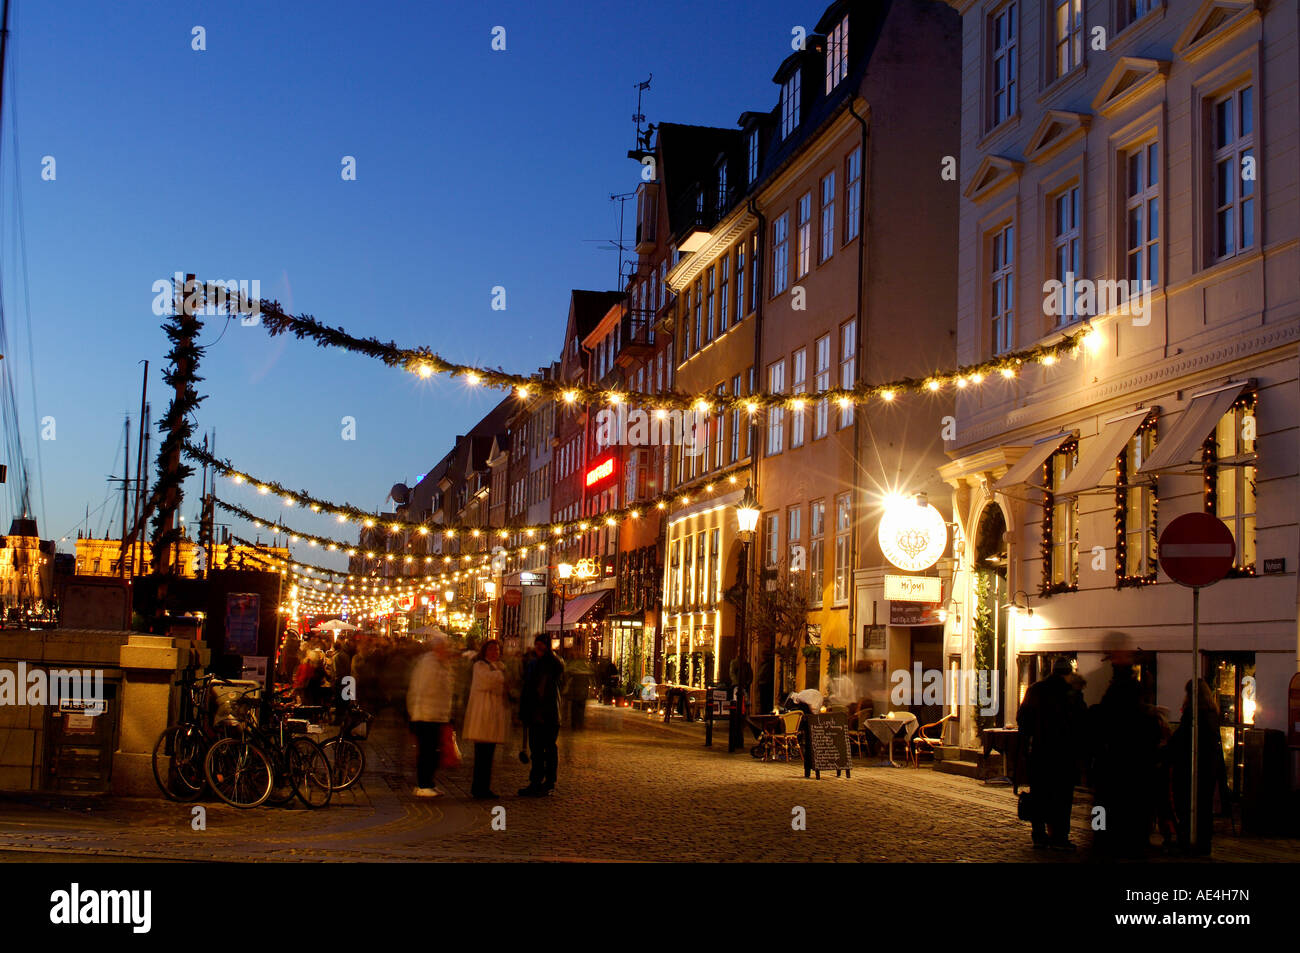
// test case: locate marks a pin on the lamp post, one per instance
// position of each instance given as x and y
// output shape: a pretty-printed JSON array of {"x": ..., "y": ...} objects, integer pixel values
[
  {"x": 490, "y": 590},
  {"x": 449, "y": 595},
  {"x": 566, "y": 571},
  {"x": 747, "y": 513}
]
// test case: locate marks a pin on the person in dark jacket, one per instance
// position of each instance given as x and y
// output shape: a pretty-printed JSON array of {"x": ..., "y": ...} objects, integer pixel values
[
  {"x": 1125, "y": 741},
  {"x": 1210, "y": 771},
  {"x": 1051, "y": 722},
  {"x": 539, "y": 710}
]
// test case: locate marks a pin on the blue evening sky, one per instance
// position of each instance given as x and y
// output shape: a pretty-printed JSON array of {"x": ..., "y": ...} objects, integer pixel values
[{"x": 475, "y": 168}]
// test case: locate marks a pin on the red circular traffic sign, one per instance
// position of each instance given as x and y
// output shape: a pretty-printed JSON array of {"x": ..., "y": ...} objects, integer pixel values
[
  {"x": 513, "y": 597},
  {"x": 1197, "y": 549}
]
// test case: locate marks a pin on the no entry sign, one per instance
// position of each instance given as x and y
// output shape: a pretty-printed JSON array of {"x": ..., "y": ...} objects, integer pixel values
[{"x": 1197, "y": 549}]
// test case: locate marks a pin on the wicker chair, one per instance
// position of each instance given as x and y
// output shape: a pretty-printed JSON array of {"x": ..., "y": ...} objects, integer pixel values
[{"x": 787, "y": 739}]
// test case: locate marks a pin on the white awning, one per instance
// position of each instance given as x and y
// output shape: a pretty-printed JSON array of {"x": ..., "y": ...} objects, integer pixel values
[
  {"x": 1028, "y": 469},
  {"x": 1181, "y": 447},
  {"x": 1102, "y": 454}
]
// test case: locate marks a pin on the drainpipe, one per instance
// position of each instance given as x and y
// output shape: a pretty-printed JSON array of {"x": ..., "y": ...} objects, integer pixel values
[
  {"x": 756, "y": 289},
  {"x": 860, "y": 363}
]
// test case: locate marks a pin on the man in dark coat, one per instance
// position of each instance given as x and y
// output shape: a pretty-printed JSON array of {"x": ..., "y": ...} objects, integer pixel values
[
  {"x": 1211, "y": 773},
  {"x": 539, "y": 710},
  {"x": 1125, "y": 742},
  {"x": 1051, "y": 719}
]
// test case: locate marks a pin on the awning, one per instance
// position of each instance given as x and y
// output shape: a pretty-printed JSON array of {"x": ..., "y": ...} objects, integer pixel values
[
  {"x": 1181, "y": 448},
  {"x": 1102, "y": 455},
  {"x": 1028, "y": 469},
  {"x": 576, "y": 608}
]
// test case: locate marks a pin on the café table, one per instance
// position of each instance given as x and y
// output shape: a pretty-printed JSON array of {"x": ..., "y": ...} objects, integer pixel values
[
  {"x": 1006, "y": 741},
  {"x": 889, "y": 729}
]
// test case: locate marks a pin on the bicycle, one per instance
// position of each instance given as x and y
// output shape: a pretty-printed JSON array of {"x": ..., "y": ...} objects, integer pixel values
[
  {"x": 258, "y": 765},
  {"x": 347, "y": 758},
  {"x": 181, "y": 748}
]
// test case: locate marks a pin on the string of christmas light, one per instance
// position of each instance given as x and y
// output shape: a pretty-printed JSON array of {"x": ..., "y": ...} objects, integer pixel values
[
  {"x": 305, "y": 570},
  {"x": 424, "y": 362},
  {"x": 346, "y": 513}
]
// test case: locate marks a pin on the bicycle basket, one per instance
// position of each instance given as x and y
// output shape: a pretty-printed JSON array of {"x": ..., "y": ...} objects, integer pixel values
[{"x": 231, "y": 707}]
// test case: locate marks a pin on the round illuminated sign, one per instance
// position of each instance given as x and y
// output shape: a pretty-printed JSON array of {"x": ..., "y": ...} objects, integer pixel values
[{"x": 913, "y": 537}]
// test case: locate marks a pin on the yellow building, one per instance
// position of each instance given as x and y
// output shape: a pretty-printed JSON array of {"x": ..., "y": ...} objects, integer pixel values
[
  {"x": 26, "y": 567},
  {"x": 98, "y": 557}
]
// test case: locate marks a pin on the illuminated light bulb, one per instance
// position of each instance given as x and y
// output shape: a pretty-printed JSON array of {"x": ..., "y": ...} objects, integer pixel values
[
  {"x": 450, "y": 533},
  {"x": 933, "y": 385},
  {"x": 1094, "y": 340},
  {"x": 263, "y": 489},
  {"x": 660, "y": 414},
  {"x": 531, "y": 533},
  {"x": 570, "y": 396},
  {"x": 288, "y": 501},
  {"x": 474, "y": 533},
  {"x": 977, "y": 378},
  {"x": 685, "y": 500},
  {"x": 257, "y": 524},
  {"x": 446, "y": 559},
  {"x": 797, "y": 404},
  {"x": 522, "y": 392},
  {"x": 504, "y": 534},
  {"x": 370, "y": 523},
  {"x": 559, "y": 530},
  {"x": 331, "y": 547},
  {"x": 751, "y": 407},
  {"x": 424, "y": 531},
  {"x": 615, "y": 398},
  {"x": 351, "y": 552},
  {"x": 709, "y": 488},
  {"x": 1049, "y": 360},
  {"x": 311, "y": 542},
  {"x": 636, "y": 514},
  {"x": 425, "y": 371},
  {"x": 844, "y": 403},
  {"x": 315, "y": 508},
  {"x": 472, "y": 379},
  {"x": 961, "y": 383},
  {"x": 582, "y": 526},
  {"x": 1008, "y": 372},
  {"x": 238, "y": 478},
  {"x": 662, "y": 505},
  {"x": 886, "y": 395},
  {"x": 609, "y": 521}
]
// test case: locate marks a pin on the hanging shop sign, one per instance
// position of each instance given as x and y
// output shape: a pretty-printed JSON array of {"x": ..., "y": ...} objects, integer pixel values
[
  {"x": 602, "y": 473},
  {"x": 532, "y": 579},
  {"x": 913, "y": 536},
  {"x": 913, "y": 588}
]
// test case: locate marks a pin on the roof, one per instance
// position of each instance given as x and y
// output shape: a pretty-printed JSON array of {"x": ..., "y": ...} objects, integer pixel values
[{"x": 689, "y": 155}]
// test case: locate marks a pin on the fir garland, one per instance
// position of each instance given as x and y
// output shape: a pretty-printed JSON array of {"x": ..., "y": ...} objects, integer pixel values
[
  {"x": 1122, "y": 579},
  {"x": 1048, "y": 588},
  {"x": 176, "y": 428},
  {"x": 424, "y": 362}
]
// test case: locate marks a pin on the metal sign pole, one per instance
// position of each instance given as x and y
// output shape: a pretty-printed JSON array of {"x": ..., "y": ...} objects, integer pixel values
[{"x": 1196, "y": 707}]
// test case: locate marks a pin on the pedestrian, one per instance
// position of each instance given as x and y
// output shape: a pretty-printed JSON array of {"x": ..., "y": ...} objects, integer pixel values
[
  {"x": 1211, "y": 775},
  {"x": 1125, "y": 736},
  {"x": 539, "y": 710},
  {"x": 485, "y": 714},
  {"x": 577, "y": 688},
  {"x": 766, "y": 673},
  {"x": 807, "y": 701},
  {"x": 1051, "y": 721},
  {"x": 428, "y": 703}
]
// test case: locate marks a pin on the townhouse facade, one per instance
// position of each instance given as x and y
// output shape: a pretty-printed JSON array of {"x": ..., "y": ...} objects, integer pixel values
[{"x": 1148, "y": 149}]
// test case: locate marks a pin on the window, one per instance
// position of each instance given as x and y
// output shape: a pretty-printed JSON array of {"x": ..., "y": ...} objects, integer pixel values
[
  {"x": 710, "y": 315},
  {"x": 1003, "y": 31},
  {"x": 790, "y": 104},
  {"x": 848, "y": 366},
  {"x": 699, "y": 315},
  {"x": 1060, "y": 525},
  {"x": 688, "y": 573},
  {"x": 674, "y": 569},
  {"x": 837, "y": 54},
  {"x": 852, "y": 194},
  {"x": 803, "y": 253},
  {"x": 1001, "y": 288},
  {"x": 1065, "y": 250},
  {"x": 701, "y": 571},
  {"x": 735, "y": 421},
  {"x": 1230, "y": 477},
  {"x": 1233, "y": 173},
  {"x": 686, "y": 325},
  {"x": 775, "y": 415},
  {"x": 822, "y": 382},
  {"x": 816, "y": 553},
  {"x": 719, "y": 421},
  {"x": 722, "y": 187},
  {"x": 716, "y": 575},
  {"x": 780, "y": 254},
  {"x": 799, "y": 384},
  {"x": 1130, "y": 11},
  {"x": 843, "y": 521},
  {"x": 752, "y": 159},
  {"x": 1142, "y": 214},
  {"x": 753, "y": 272},
  {"x": 741, "y": 311},
  {"x": 1136, "y": 531},
  {"x": 828, "y": 217},
  {"x": 1067, "y": 35},
  {"x": 771, "y": 540},
  {"x": 794, "y": 531},
  {"x": 724, "y": 291}
]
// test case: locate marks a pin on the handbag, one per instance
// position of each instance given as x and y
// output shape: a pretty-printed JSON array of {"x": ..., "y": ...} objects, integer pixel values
[
  {"x": 450, "y": 754},
  {"x": 1025, "y": 806}
]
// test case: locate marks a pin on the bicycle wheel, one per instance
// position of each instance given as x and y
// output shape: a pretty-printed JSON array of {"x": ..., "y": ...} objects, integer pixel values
[
  {"x": 310, "y": 772},
  {"x": 239, "y": 772},
  {"x": 178, "y": 758},
  {"x": 347, "y": 760},
  {"x": 282, "y": 788}
]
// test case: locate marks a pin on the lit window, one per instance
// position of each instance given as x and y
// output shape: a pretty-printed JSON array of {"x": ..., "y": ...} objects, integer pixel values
[
  {"x": 780, "y": 254},
  {"x": 803, "y": 238},
  {"x": 799, "y": 383},
  {"x": 828, "y": 217},
  {"x": 1230, "y": 478},
  {"x": 843, "y": 522},
  {"x": 837, "y": 54},
  {"x": 822, "y": 382},
  {"x": 1061, "y": 524},
  {"x": 848, "y": 365},
  {"x": 1067, "y": 35},
  {"x": 790, "y": 104},
  {"x": 816, "y": 553}
]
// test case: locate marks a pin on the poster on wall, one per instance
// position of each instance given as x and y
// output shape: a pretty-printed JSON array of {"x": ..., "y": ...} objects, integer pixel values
[
  {"x": 241, "y": 622},
  {"x": 914, "y": 613}
]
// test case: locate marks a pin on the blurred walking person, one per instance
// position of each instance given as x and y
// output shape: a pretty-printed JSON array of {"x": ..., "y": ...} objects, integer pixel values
[
  {"x": 539, "y": 710},
  {"x": 1211, "y": 775},
  {"x": 485, "y": 714},
  {"x": 1126, "y": 739},
  {"x": 428, "y": 703},
  {"x": 1051, "y": 721}
]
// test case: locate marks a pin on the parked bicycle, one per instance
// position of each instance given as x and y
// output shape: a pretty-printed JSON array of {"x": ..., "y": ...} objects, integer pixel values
[
  {"x": 180, "y": 750},
  {"x": 347, "y": 757}
]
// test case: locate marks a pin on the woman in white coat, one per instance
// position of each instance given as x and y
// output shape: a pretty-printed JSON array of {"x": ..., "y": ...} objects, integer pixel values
[
  {"x": 486, "y": 714},
  {"x": 428, "y": 704}
]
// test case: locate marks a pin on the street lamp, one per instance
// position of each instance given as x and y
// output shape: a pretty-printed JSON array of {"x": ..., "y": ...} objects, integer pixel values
[
  {"x": 566, "y": 572},
  {"x": 449, "y": 595},
  {"x": 747, "y": 513}
]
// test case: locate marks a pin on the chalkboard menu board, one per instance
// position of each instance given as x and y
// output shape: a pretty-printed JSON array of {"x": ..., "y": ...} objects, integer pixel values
[{"x": 830, "y": 742}]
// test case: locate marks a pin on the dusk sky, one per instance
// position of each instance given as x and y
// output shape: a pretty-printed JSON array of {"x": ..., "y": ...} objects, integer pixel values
[{"x": 475, "y": 168}]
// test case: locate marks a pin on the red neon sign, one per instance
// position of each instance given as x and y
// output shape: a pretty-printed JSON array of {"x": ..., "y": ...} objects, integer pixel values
[{"x": 602, "y": 472}]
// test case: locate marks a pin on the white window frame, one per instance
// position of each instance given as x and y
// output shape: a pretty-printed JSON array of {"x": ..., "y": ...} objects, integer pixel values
[
  {"x": 780, "y": 253},
  {"x": 798, "y": 384},
  {"x": 822, "y": 382},
  {"x": 1002, "y": 285},
  {"x": 790, "y": 104},
  {"x": 848, "y": 365},
  {"x": 837, "y": 54},
  {"x": 803, "y": 236},
  {"x": 1231, "y": 155},
  {"x": 776, "y": 414}
]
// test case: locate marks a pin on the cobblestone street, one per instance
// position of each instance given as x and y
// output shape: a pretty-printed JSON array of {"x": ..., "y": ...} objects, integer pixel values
[{"x": 629, "y": 789}]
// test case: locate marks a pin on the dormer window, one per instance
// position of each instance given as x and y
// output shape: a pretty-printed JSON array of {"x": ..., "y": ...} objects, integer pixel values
[
  {"x": 722, "y": 186},
  {"x": 752, "y": 164},
  {"x": 790, "y": 104},
  {"x": 837, "y": 55}
]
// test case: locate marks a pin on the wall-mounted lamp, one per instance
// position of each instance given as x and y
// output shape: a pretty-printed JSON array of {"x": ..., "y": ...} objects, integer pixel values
[{"x": 1018, "y": 605}]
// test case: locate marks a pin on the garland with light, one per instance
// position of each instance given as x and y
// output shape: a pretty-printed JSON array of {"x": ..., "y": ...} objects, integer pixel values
[
  {"x": 176, "y": 426},
  {"x": 1210, "y": 466},
  {"x": 425, "y": 363},
  {"x": 1122, "y": 579},
  {"x": 1047, "y": 587},
  {"x": 346, "y": 513}
]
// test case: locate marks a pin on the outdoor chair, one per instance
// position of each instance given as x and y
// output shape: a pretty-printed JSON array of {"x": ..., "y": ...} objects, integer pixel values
[
  {"x": 788, "y": 738},
  {"x": 929, "y": 737}
]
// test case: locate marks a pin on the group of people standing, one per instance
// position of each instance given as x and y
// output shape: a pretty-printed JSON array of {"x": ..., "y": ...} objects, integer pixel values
[
  {"x": 1138, "y": 768},
  {"x": 487, "y": 713}
]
